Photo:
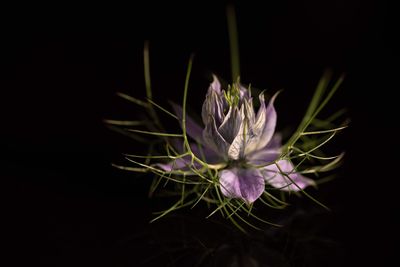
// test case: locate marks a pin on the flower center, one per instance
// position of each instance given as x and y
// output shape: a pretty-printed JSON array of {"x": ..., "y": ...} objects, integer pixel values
[
  {"x": 239, "y": 163},
  {"x": 232, "y": 95}
]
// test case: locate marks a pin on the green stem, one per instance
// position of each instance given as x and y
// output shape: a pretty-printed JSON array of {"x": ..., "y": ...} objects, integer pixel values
[
  {"x": 185, "y": 91},
  {"x": 147, "y": 80},
  {"x": 233, "y": 41}
]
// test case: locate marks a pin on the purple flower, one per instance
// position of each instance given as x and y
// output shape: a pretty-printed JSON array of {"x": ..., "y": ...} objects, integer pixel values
[{"x": 242, "y": 139}]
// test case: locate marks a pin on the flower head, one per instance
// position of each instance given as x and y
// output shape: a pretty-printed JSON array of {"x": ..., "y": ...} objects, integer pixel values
[{"x": 242, "y": 140}]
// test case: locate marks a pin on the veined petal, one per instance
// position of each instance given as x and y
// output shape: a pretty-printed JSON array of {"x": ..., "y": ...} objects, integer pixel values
[
  {"x": 213, "y": 139},
  {"x": 279, "y": 177},
  {"x": 257, "y": 127},
  {"x": 231, "y": 124},
  {"x": 213, "y": 106},
  {"x": 214, "y": 102},
  {"x": 237, "y": 148},
  {"x": 246, "y": 138},
  {"x": 192, "y": 128},
  {"x": 245, "y": 184},
  {"x": 247, "y": 110},
  {"x": 270, "y": 123}
]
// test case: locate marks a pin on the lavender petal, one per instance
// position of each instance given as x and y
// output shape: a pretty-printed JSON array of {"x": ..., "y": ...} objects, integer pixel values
[
  {"x": 245, "y": 184},
  {"x": 270, "y": 123},
  {"x": 213, "y": 106},
  {"x": 231, "y": 124},
  {"x": 215, "y": 85},
  {"x": 268, "y": 154},
  {"x": 182, "y": 164},
  {"x": 213, "y": 139},
  {"x": 278, "y": 177},
  {"x": 192, "y": 128}
]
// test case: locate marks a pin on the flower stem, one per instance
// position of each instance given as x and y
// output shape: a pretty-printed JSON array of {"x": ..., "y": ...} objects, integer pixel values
[{"x": 233, "y": 41}]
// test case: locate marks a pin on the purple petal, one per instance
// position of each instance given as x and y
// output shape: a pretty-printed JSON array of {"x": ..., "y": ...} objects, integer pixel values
[
  {"x": 199, "y": 150},
  {"x": 278, "y": 177},
  {"x": 215, "y": 85},
  {"x": 247, "y": 110},
  {"x": 244, "y": 92},
  {"x": 270, "y": 122},
  {"x": 231, "y": 124},
  {"x": 237, "y": 148},
  {"x": 275, "y": 143},
  {"x": 192, "y": 128},
  {"x": 246, "y": 139},
  {"x": 179, "y": 164},
  {"x": 213, "y": 106},
  {"x": 178, "y": 145},
  {"x": 214, "y": 103},
  {"x": 246, "y": 184},
  {"x": 245, "y": 136},
  {"x": 263, "y": 157},
  {"x": 213, "y": 139},
  {"x": 257, "y": 127},
  {"x": 268, "y": 154},
  {"x": 205, "y": 153},
  {"x": 256, "y": 131}
]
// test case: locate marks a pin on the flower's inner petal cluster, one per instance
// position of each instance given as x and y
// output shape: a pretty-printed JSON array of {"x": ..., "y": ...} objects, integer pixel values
[
  {"x": 230, "y": 127},
  {"x": 240, "y": 130},
  {"x": 237, "y": 147},
  {"x": 214, "y": 140}
]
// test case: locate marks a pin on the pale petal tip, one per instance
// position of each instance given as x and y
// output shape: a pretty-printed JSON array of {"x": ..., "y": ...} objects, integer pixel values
[{"x": 215, "y": 85}]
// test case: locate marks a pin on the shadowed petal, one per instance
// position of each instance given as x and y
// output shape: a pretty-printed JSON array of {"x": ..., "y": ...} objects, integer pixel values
[
  {"x": 213, "y": 139},
  {"x": 192, "y": 128},
  {"x": 246, "y": 184},
  {"x": 263, "y": 157},
  {"x": 278, "y": 178},
  {"x": 200, "y": 151},
  {"x": 206, "y": 154},
  {"x": 275, "y": 143},
  {"x": 178, "y": 164},
  {"x": 231, "y": 124},
  {"x": 268, "y": 154}
]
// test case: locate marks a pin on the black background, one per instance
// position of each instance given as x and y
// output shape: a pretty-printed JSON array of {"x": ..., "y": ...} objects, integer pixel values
[{"x": 62, "y": 65}]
